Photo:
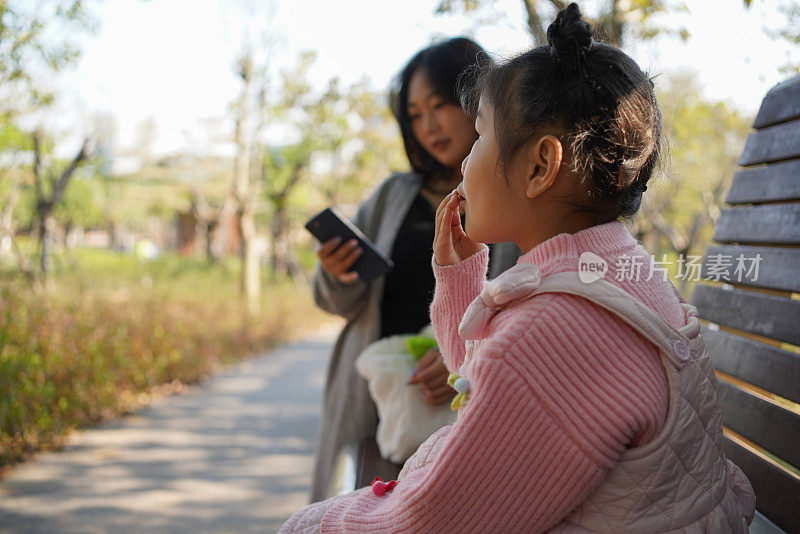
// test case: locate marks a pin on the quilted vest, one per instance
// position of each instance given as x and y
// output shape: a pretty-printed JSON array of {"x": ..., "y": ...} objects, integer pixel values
[{"x": 680, "y": 481}]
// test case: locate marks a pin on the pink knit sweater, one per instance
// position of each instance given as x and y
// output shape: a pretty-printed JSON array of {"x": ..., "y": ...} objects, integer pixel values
[{"x": 560, "y": 388}]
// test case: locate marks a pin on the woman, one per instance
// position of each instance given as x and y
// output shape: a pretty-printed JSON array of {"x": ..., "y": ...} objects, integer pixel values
[{"x": 399, "y": 218}]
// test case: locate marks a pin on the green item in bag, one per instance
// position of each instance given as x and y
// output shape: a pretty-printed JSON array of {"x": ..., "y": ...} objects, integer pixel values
[{"x": 418, "y": 346}]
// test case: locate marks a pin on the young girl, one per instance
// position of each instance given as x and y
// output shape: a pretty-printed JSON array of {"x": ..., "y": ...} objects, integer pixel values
[{"x": 587, "y": 400}]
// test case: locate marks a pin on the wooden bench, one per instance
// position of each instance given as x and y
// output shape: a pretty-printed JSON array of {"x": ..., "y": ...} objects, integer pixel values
[{"x": 752, "y": 320}]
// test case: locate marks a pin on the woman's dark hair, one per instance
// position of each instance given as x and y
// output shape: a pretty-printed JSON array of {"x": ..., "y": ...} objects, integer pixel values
[
  {"x": 442, "y": 63},
  {"x": 593, "y": 96}
]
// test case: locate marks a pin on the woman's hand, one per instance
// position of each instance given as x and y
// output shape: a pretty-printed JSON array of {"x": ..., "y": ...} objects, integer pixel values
[
  {"x": 450, "y": 244},
  {"x": 337, "y": 258},
  {"x": 432, "y": 374}
]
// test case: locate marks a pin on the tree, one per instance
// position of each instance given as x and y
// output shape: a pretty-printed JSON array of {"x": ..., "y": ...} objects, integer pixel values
[
  {"x": 283, "y": 170},
  {"x": 50, "y": 186},
  {"x": 370, "y": 147},
  {"x": 82, "y": 204},
  {"x": 346, "y": 132},
  {"x": 243, "y": 192},
  {"x": 612, "y": 18},
  {"x": 36, "y": 42},
  {"x": 315, "y": 123},
  {"x": 345, "y": 140},
  {"x": 250, "y": 111}
]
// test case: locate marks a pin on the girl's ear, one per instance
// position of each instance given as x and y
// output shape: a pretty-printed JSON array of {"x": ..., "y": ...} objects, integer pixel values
[{"x": 544, "y": 157}]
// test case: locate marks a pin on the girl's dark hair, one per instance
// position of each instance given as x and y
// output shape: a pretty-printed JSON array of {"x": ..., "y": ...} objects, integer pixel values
[
  {"x": 442, "y": 63},
  {"x": 593, "y": 96}
]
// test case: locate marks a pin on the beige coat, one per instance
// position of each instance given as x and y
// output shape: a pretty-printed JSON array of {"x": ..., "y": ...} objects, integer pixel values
[{"x": 348, "y": 412}]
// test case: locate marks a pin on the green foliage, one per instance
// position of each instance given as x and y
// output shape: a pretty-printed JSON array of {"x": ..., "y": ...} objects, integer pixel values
[
  {"x": 349, "y": 130},
  {"x": 25, "y": 210},
  {"x": 703, "y": 142},
  {"x": 117, "y": 329},
  {"x": 342, "y": 140},
  {"x": 82, "y": 204},
  {"x": 37, "y": 39},
  {"x": 11, "y": 136}
]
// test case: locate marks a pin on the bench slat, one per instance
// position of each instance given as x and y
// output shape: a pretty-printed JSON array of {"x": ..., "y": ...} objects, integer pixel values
[
  {"x": 780, "y": 104},
  {"x": 777, "y": 492},
  {"x": 758, "y": 313},
  {"x": 778, "y": 181},
  {"x": 762, "y": 365},
  {"x": 773, "y": 143},
  {"x": 777, "y": 224},
  {"x": 777, "y": 268},
  {"x": 762, "y": 525},
  {"x": 771, "y": 427}
]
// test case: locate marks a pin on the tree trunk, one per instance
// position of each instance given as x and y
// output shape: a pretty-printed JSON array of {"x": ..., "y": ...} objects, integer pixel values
[
  {"x": 243, "y": 191},
  {"x": 46, "y": 229},
  {"x": 46, "y": 203},
  {"x": 251, "y": 273},
  {"x": 616, "y": 23},
  {"x": 278, "y": 260},
  {"x": 201, "y": 247},
  {"x": 211, "y": 227},
  {"x": 220, "y": 235}
]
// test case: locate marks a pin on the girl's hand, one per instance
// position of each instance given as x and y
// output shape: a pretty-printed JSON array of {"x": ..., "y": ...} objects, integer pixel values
[
  {"x": 337, "y": 258},
  {"x": 432, "y": 374},
  {"x": 450, "y": 244}
]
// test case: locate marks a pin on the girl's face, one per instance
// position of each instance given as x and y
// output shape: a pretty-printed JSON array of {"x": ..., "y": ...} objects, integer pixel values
[
  {"x": 441, "y": 127},
  {"x": 490, "y": 201}
]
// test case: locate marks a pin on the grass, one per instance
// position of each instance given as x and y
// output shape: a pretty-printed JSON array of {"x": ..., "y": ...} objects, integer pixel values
[{"x": 116, "y": 330}]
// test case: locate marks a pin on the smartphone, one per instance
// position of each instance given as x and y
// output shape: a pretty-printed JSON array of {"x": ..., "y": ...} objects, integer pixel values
[{"x": 329, "y": 223}]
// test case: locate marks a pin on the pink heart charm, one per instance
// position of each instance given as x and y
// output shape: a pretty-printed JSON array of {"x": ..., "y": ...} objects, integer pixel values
[{"x": 378, "y": 488}]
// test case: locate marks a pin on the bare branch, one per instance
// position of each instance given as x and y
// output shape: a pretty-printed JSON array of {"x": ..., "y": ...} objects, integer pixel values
[
  {"x": 63, "y": 181},
  {"x": 669, "y": 231},
  {"x": 697, "y": 224},
  {"x": 535, "y": 23},
  {"x": 297, "y": 172},
  {"x": 37, "y": 164}
]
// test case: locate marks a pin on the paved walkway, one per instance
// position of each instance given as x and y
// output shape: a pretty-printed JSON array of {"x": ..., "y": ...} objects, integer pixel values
[{"x": 233, "y": 455}]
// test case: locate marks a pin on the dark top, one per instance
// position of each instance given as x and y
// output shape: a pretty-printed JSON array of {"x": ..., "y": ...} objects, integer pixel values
[{"x": 408, "y": 288}]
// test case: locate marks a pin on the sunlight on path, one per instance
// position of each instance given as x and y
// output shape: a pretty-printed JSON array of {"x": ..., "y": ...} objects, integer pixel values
[{"x": 234, "y": 455}]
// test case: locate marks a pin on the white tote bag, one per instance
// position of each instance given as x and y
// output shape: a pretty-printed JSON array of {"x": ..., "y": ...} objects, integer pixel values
[{"x": 405, "y": 419}]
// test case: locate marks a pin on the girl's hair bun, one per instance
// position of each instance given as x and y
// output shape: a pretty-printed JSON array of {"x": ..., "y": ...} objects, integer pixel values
[{"x": 569, "y": 36}]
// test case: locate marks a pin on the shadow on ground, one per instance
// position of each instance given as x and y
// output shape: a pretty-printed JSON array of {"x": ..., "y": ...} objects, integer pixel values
[{"x": 234, "y": 455}]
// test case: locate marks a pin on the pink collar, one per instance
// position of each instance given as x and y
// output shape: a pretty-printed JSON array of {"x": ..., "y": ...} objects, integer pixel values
[{"x": 517, "y": 283}]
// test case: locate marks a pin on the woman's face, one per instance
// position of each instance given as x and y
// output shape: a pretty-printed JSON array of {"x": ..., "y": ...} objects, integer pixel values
[{"x": 441, "y": 127}]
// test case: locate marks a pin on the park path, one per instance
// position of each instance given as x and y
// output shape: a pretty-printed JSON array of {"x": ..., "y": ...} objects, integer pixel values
[{"x": 232, "y": 455}]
